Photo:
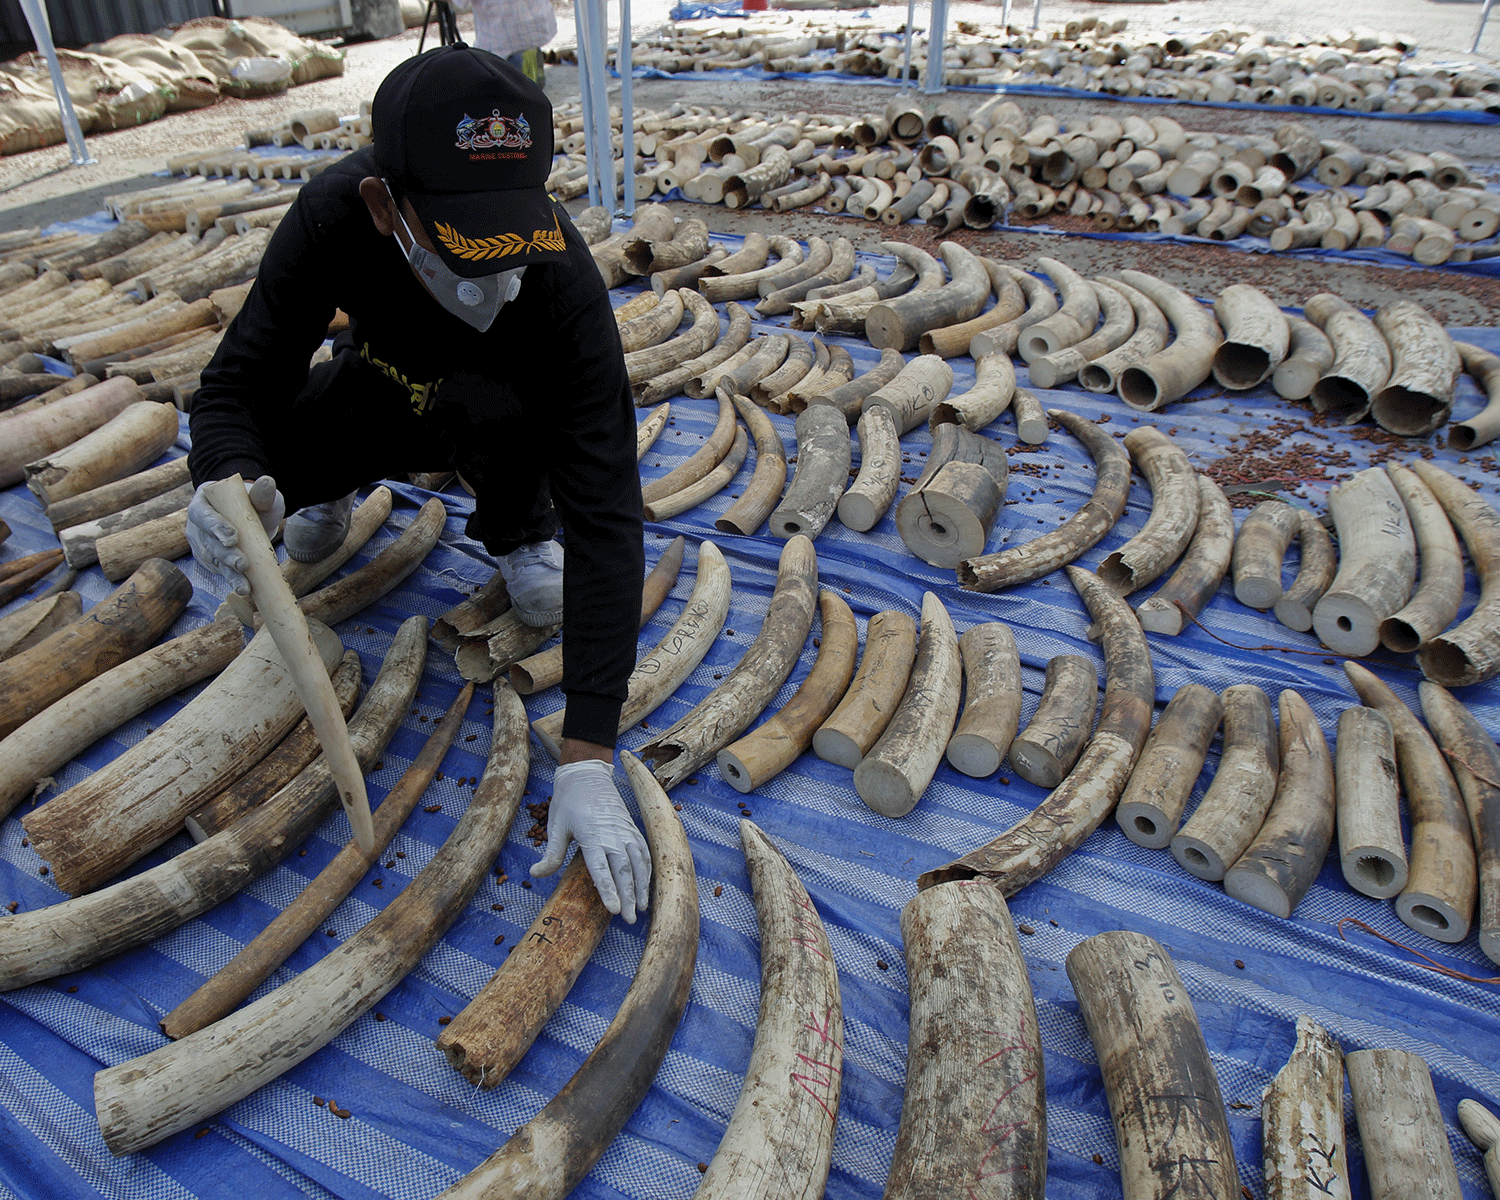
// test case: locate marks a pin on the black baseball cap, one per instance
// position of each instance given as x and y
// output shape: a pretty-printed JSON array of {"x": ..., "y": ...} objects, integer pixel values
[{"x": 467, "y": 138}]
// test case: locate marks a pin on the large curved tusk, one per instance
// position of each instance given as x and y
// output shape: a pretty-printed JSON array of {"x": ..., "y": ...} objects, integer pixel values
[
  {"x": 779, "y": 1141},
  {"x": 114, "y": 630},
  {"x": 726, "y": 711},
  {"x": 1483, "y": 1128},
  {"x": 548, "y": 1156},
  {"x": 1076, "y": 807},
  {"x": 948, "y": 341},
  {"x": 1043, "y": 555},
  {"x": 1401, "y": 1127},
  {"x": 992, "y": 700},
  {"x": 1151, "y": 332},
  {"x": 751, "y": 256},
  {"x": 1362, "y": 360},
  {"x": 105, "y": 822},
  {"x": 653, "y": 326},
  {"x": 1156, "y": 1068},
  {"x": 154, "y": 1096},
  {"x": 1256, "y": 336},
  {"x": 873, "y": 489},
  {"x": 1438, "y": 898},
  {"x": 914, "y": 392},
  {"x": 30, "y": 435},
  {"x": 1059, "y": 366},
  {"x": 123, "y": 552},
  {"x": 949, "y": 512},
  {"x": 896, "y": 770},
  {"x": 765, "y": 354},
  {"x": 1280, "y": 864},
  {"x": 291, "y": 755},
  {"x": 701, "y": 461},
  {"x": 840, "y": 370},
  {"x": 975, "y": 1106},
  {"x": 838, "y": 268},
  {"x": 1476, "y": 769},
  {"x": 1470, "y": 651},
  {"x": 710, "y": 485},
  {"x": 1434, "y": 604},
  {"x": 661, "y": 672},
  {"x": 1295, "y": 608},
  {"x": 994, "y": 386},
  {"x": 819, "y": 256},
  {"x": 849, "y": 398},
  {"x": 218, "y": 996},
  {"x": 24, "y": 627},
  {"x": 670, "y": 383},
  {"x": 368, "y": 516},
  {"x": 1046, "y": 751},
  {"x": 759, "y": 497},
  {"x": 742, "y": 284},
  {"x": 866, "y": 708},
  {"x": 1239, "y": 796},
  {"x": 1174, "y": 513},
  {"x": 1424, "y": 369},
  {"x": 1170, "y": 764},
  {"x": 114, "y": 497},
  {"x": 823, "y": 455},
  {"x": 650, "y": 429},
  {"x": 900, "y": 321},
  {"x": 1070, "y": 324},
  {"x": 1309, "y": 356},
  {"x": 1173, "y": 372},
  {"x": 78, "y": 540},
  {"x": 799, "y": 361},
  {"x": 1483, "y": 426},
  {"x": 356, "y": 591},
  {"x": 772, "y": 746},
  {"x": 496, "y": 1028},
  {"x": 642, "y": 304},
  {"x": 688, "y": 243},
  {"x": 544, "y": 670},
  {"x": 1204, "y": 565},
  {"x": 1377, "y": 563},
  {"x": 1002, "y": 338},
  {"x": 1302, "y": 1115},
  {"x": 137, "y": 435},
  {"x": 1258, "y": 551},
  {"x": 77, "y": 933},
  {"x": 1372, "y": 853},
  {"x": 646, "y": 364}
]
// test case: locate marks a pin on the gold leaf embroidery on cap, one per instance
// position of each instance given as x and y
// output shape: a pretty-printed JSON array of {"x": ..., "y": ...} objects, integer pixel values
[{"x": 501, "y": 245}]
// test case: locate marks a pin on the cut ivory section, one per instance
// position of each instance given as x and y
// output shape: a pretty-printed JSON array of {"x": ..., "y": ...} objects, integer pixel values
[
  {"x": 1302, "y": 1113},
  {"x": 1170, "y": 764},
  {"x": 1377, "y": 563},
  {"x": 862, "y": 715},
  {"x": 1372, "y": 853}
]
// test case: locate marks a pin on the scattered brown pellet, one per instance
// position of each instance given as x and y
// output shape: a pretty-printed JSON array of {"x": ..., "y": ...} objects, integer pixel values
[
  {"x": 501, "y": 877},
  {"x": 1099, "y": 1160},
  {"x": 379, "y": 763},
  {"x": 439, "y": 777},
  {"x": 25, "y": 842},
  {"x": 12, "y": 906},
  {"x": 499, "y": 939},
  {"x": 1328, "y": 662},
  {"x": 471, "y": 737},
  {"x": 380, "y": 1016},
  {"x": 400, "y": 853},
  {"x": 1239, "y": 964},
  {"x": 748, "y": 813},
  {"x": 676, "y": 808},
  {"x": 1244, "y": 1191},
  {"x": 498, "y": 907},
  {"x": 702, "y": 1168},
  {"x": 1005, "y": 780},
  {"x": 343, "y": 1114},
  {"x": 1026, "y": 929},
  {"x": 390, "y": 864},
  {"x": 444, "y": 1020},
  {"x": 319, "y": 1101},
  {"x": 380, "y": 883},
  {"x": 44, "y": 871},
  {"x": 817, "y": 643},
  {"x": 332, "y": 932},
  {"x": 526, "y": 883},
  {"x": 199, "y": 1134},
  {"x": 719, "y": 890},
  {"x": 882, "y": 964},
  {"x": 423, "y": 718},
  {"x": 693, "y": 781},
  {"x": 72, "y": 987},
  {"x": 1053, "y": 924},
  {"x": 433, "y": 808},
  {"x": 302, "y": 853}
]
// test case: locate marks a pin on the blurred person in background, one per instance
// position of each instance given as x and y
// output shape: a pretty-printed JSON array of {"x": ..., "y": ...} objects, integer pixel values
[{"x": 516, "y": 30}]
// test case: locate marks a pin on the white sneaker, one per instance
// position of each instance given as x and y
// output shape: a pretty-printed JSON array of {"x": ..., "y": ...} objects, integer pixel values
[
  {"x": 533, "y": 576},
  {"x": 315, "y": 532}
]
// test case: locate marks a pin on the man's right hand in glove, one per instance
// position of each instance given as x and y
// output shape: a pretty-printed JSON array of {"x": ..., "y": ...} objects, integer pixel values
[
  {"x": 586, "y": 808},
  {"x": 215, "y": 541}
]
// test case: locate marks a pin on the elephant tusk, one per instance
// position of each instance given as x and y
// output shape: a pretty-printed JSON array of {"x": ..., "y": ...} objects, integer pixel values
[
  {"x": 1308, "y": 358},
  {"x": 662, "y": 671},
  {"x": 874, "y": 488},
  {"x": 1401, "y": 1127},
  {"x": 241, "y": 975},
  {"x": 1070, "y": 324},
  {"x": 653, "y": 326},
  {"x": 1049, "y": 746},
  {"x": 849, "y": 397},
  {"x": 760, "y": 495},
  {"x": 1302, "y": 1115},
  {"x": 1043, "y": 555},
  {"x": 915, "y": 391},
  {"x": 205, "y": 1072},
  {"x": 711, "y": 484},
  {"x": 646, "y": 364},
  {"x": 994, "y": 386},
  {"x": 1078, "y": 805},
  {"x": 801, "y": 355},
  {"x": 949, "y": 341},
  {"x": 1425, "y": 366},
  {"x": 718, "y": 285},
  {"x": 356, "y": 591},
  {"x": 1377, "y": 563},
  {"x": 78, "y": 541},
  {"x": 548, "y": 1156},
  {"x": 1434, "y": 604},
  {"x": 1483, "y": 426},
  {"x": 114, "y": 497},
  {"x": 1151, "y": 329},
  {"x": 1174, "y": 513},
  {"x": 866, "y": 708},
  {"x": 77, "y": 933},
  {"x": 1283, "y": 860},
  {"x": 650, "y": 429},
  {"x": 1483, "y": 1128},
  {"x": 779, "y": 1140},
  {"x": 1162, "y": 781},
  {"x": 1058, "y": 366},
  {"x": 1362, "y": 359},
  {"x": 896, "y": 770},
  {"x": 726, "y": 711},
  {"x": 688, "y": 243},
  {"x": 30, "y": 435},
  {"x": 1171, "y": 373},
  {"x": 992, "y": 700},
  {"x": 823, "y": 455},
  {"x": 137, "y": 435},
  {"x": 701, "y": 461},
  {"x": 672, "y": 382},
  {"x": 949, "y": 512},
  {"x": 1442, "y": 881},
  {"x": 1149, "y": 1043},
  {"x": 839, "y": 267},
  {"x": 33, "y": 621},
  {"x": 1002, "y": 338},
  {"x": 1372, "y": 853},
  {"x": 1203, "y": 567},
  {"x": 900, "y": 322},
  {"x": 1256, "y": 337}
]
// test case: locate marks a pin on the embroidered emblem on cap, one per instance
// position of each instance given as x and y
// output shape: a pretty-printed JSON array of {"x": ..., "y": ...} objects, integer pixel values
[
  {"x": 502, "y": 245},
  {"x": 486, "y": 133}
]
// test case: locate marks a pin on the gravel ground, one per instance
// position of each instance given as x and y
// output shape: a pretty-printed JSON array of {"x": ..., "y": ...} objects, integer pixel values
[{"x": 41, "y": 186}]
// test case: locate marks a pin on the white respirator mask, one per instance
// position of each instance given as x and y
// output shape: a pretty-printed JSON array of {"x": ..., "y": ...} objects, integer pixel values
[{"x": 475, "y": 302}]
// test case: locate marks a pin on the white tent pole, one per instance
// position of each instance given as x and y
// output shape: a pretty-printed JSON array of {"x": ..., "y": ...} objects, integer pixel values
[
  {"x": 934, "y": 77},
  {"x": 36, "y": 17},
  {"x": 627, "y": 108}
]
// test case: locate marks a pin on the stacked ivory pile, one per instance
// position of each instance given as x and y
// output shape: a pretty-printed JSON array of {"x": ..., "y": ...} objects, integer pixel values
[
  {"x": 1359, "y": 70},
  {"x": 316, "y": 129},
  {"x": 996, "y": 165}
]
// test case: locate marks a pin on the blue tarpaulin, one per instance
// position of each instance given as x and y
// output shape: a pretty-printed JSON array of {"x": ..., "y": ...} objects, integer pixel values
[{"x": 416, "y": 1126}]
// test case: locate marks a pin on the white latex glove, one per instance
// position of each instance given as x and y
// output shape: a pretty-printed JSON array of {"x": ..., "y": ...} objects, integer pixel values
[
  {"x": 213, "y": 539},
  {"x": 586, "y": 808}
]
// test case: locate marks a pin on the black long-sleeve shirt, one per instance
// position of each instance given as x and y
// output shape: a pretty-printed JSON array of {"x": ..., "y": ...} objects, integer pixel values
[{"x": 549, "y": 375}]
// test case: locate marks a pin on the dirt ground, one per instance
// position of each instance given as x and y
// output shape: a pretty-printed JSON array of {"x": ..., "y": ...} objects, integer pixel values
[{"x": 41, "y": 186}]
